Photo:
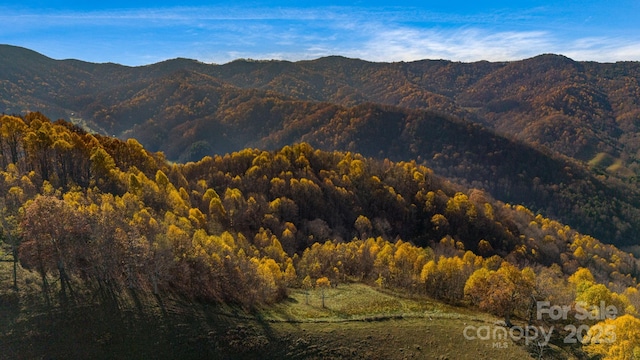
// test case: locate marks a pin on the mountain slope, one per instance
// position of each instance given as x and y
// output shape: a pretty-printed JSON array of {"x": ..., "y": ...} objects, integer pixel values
[
  {"x": 509, "y": 169},
  {"x": 218, "y": 256},
  {"x": 578, "y": 109},
  {"x": 558, "y": 116}
]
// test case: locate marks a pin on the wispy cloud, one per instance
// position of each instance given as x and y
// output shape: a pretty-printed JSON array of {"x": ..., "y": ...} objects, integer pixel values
[
  {"x": 221, "y": 34},
  {"x": 475, "y": 44},
  {"x": 460, "y": 44},
  {"x": 604, "y": 49}
]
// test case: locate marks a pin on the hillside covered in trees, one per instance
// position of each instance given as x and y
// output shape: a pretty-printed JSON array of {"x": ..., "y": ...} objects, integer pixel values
[
  {"x": 103, "y": 222},
  {"x": 578, "y": 109},
  {"x": 555, "y": 135}
]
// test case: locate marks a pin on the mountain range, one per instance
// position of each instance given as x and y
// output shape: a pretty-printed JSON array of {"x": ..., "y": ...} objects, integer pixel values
[{"x": 556, "y": 135}]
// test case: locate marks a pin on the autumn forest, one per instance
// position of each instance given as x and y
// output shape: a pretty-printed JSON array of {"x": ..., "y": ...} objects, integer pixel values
[{"x": 239, "y": 186}]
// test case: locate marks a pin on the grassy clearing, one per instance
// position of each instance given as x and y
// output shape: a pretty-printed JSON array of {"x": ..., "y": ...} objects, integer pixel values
[
  {"x": 358, "y": 322},
  {"x": 611, "y": 164},
  {"x": 361, "y": 322},
  {"x": 351, "y": 302},
  {"x": 601, "y": 159}
]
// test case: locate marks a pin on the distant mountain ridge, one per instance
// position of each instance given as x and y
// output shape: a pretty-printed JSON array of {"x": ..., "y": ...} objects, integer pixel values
[
  {"x": 569, "y": 145},
  {"x": 533, "y": 99}
]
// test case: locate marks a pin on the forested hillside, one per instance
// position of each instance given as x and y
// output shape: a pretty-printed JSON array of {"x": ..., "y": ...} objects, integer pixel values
[
  {"x": 576, "y": 108},
  {"x": 568, "y": 149},
  {"x": 98, "y": 220}
]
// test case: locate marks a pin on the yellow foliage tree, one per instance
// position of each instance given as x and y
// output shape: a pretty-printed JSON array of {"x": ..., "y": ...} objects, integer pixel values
[
  {"x": 323, "y": 283},
  {"x": 307, "y": 284},
  {"x": 615, "y": 339},
  {"x": 272, "y": 283},
  {"x": 502, "y": 291}
]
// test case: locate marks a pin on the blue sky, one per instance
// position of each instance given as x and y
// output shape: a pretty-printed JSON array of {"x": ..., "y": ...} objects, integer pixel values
[{"x": 144, "y": 32}]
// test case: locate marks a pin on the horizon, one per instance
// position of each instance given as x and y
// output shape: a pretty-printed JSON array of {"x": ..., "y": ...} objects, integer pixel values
[
  {"x": 312, "y": 59},
  {"x": 217, "y": 32}
]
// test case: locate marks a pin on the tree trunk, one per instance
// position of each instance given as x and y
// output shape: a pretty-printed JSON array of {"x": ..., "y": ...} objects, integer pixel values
[
  {"x": 154, "y": 280},
  {"x": 65, "y": 282},
  {"x": 532, "y": 310},
  {"x": 45, "y": 288},
  {"x": 507, "y": 319},
  {"x": 15, "y": 268}
]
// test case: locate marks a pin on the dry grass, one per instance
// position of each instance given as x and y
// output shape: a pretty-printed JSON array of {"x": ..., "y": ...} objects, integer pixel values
[
  {"x": 350, "y": 302},
  {"x": 359, "y": 322}
]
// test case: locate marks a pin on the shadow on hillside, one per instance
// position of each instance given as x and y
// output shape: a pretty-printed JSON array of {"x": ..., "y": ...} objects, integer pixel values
[
  {"x": 9, "y": 310},
  {"x": 152, "y": 328}
]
